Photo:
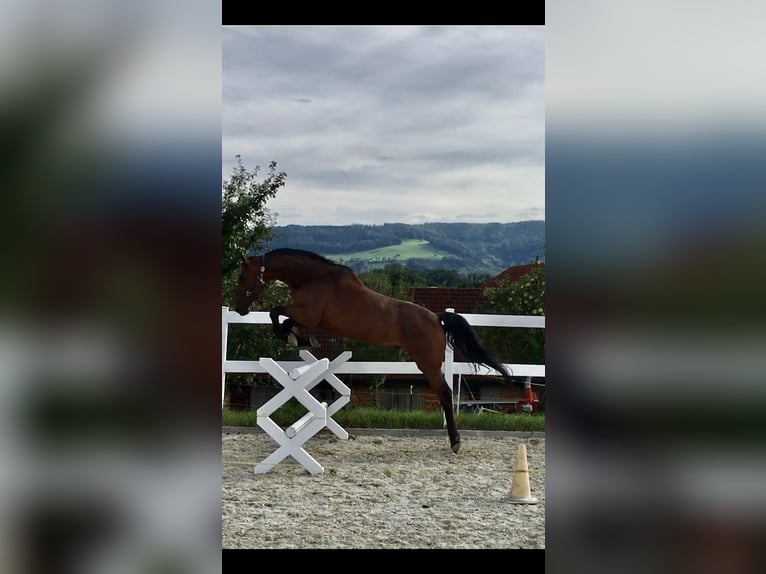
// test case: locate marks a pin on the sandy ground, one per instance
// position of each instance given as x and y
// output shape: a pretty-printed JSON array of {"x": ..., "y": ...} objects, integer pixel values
[{"x": 380, "y": 491}]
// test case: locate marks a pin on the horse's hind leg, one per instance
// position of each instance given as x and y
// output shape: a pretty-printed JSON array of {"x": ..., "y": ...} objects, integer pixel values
[
  {"x": 426, "y": 347},
  {"x": 439, "y": 384},
  {"x": 445, "y": 399}
]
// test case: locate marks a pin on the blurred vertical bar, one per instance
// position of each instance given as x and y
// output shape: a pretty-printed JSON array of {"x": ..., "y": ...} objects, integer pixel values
[
  {"x": 109, "y": 324},
  {"x": 655, "y": 179}
]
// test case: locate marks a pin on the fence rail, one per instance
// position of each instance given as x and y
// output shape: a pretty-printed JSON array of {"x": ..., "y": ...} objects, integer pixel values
[{"x": 451, "y": 368}]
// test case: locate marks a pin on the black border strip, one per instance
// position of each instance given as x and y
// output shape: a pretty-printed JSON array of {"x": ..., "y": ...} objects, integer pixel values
[{"x": 248, "y": 13}]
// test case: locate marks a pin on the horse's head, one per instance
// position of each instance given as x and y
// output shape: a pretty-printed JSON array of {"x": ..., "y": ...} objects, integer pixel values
[{"x": 251, "y": 283}]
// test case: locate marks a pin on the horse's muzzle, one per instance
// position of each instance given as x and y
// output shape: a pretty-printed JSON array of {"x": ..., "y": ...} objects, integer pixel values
[{"x": 243, "y": 310}]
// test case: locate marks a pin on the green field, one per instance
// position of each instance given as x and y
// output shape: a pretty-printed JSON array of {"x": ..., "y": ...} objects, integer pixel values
[{"x": 407, "y": 249}]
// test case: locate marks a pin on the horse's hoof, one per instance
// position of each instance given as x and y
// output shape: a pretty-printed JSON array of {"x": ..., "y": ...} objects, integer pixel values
[
  {"x": 292, "y": 339},
  {"x": 313, "y": 341},
  {"x": 456, "y": 447}
]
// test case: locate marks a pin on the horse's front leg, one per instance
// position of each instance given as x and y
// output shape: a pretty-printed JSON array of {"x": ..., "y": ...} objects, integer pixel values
[
  {"x": 288, "y": 330},
  {"x": 280, "y": 330}
]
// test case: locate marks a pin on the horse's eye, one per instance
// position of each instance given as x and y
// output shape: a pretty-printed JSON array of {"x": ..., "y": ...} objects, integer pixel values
[{"x": 249, "y": 293}]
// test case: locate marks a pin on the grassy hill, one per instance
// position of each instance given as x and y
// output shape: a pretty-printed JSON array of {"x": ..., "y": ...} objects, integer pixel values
[{"x": 404, "y": 251}]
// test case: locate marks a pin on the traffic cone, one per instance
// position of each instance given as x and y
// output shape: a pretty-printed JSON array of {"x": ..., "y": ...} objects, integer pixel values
[{"x": 520, "y": 489}]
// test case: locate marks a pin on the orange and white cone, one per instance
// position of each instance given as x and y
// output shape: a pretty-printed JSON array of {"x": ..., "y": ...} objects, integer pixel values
[{"x": 520, "y": 489}]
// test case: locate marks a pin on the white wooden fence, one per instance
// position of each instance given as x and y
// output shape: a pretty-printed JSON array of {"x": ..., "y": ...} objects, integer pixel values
[{"x": 450, "y": 367}]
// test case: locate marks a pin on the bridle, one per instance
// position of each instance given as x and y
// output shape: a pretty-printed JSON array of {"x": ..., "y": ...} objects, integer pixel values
[{"x": 259, "y": 281}]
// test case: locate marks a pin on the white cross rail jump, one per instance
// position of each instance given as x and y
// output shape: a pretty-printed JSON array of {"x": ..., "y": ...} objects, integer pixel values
[{"x": 297, "y": 383}]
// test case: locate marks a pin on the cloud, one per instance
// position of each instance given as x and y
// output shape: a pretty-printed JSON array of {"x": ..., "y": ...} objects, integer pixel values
[{"x": 380, "y": 123}]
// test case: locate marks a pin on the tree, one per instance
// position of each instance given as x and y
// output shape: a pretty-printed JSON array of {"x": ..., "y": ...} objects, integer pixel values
[
  {"x": 518, "y": 345},
  {"x": 523, "y": 297},
  {"x": 246, "y": 223}
]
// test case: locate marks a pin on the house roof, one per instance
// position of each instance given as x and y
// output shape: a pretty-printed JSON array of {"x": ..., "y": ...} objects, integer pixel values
[{"x": 510, "y": 275}]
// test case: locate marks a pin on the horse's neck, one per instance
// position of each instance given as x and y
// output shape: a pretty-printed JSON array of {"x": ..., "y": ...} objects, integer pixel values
[{"x": 290, "y": 270}]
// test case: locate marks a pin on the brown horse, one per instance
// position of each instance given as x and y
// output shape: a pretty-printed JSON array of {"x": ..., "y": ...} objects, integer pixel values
[{"x": 331, "y": 297}]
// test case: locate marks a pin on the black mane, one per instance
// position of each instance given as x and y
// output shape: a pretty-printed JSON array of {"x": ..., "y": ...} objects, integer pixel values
[{"x": 304, "y": 253}]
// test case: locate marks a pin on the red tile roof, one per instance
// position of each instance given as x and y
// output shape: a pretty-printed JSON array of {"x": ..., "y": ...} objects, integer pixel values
[{"x": 510, "y": 275}]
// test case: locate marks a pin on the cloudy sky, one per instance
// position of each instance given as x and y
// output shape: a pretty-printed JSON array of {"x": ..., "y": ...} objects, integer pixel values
[{"x": 383, "y": 124}]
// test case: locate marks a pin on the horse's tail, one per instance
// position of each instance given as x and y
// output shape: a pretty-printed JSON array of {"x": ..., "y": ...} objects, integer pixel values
[{"x": 461, "y": 337}]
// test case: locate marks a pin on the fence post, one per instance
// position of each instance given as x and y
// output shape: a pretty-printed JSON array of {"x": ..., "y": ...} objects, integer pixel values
[
  {"x": 449, "y": 360},
  {"x": 224, "y": 338},
  {"x": 449, "y": 368}
]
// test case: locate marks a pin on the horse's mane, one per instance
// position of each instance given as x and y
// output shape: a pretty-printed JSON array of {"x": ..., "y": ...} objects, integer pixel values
[{"x": 307, "y": 254}]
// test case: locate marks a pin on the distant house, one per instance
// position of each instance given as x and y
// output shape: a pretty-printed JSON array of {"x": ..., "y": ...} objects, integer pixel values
[{"x": 511, "y": 275}]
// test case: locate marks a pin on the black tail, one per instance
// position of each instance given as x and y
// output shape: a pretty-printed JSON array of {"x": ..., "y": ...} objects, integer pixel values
[{"x": 461, "y": 337}]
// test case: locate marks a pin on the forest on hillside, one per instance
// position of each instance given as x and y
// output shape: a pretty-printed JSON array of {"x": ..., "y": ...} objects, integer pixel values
[{"x": 472, "y": 247}]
